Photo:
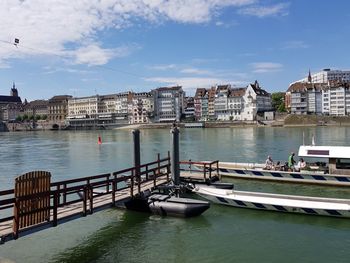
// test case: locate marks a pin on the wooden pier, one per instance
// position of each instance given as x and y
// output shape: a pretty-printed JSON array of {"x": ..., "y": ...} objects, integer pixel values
[{"x": 35, "y": 203}]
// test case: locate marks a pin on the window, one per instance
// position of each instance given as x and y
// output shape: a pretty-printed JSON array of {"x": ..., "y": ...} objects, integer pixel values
[{"x": 343, "y": 164}]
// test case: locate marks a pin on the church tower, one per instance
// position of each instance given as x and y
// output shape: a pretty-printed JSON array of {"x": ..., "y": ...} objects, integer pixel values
[
  {"x": 309, "y": 79},
  {"x": 14, "y": 91}
]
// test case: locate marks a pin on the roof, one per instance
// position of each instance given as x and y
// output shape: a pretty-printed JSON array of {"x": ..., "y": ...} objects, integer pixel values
[
  {"x": 200, "y": 92},
  {"x": 305, "y": 86},
  {"x": 258, "y": 90},
  {"x": 11, "y": 99},
  {"x": 237, "y": 92},
  {"x": 169, "y": 88},
  {"x": 60, "y": 97},
  {"x": 325, "y": 151}
]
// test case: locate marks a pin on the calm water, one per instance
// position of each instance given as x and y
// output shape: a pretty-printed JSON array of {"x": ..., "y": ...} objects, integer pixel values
[{"x": 221, "y": 234}]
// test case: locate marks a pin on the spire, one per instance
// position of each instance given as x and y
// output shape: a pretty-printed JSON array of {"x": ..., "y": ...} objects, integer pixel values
[
  {"x": 309, "y": 79},
  {"x": 14, "y": 91}
]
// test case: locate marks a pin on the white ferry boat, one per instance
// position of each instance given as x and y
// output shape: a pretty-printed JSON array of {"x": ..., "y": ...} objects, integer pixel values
[
  {"x": 333, "y": 169},
  {"x": 277, "y": 202}
]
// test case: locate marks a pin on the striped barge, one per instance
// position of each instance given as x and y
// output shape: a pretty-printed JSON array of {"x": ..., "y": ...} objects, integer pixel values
[{"x": 333, "y": 170}]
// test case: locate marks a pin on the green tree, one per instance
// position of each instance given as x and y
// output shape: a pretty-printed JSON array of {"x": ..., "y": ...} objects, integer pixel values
[
  {"x": 278, "y": 101},
  {"x": 44, "y": 117},
  {"x": 19, "y": 118},
  {"x": 25, "y": 117}
]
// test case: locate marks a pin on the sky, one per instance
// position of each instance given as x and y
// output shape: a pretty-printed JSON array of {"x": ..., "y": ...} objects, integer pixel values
[{"x": 87, "y": 47}]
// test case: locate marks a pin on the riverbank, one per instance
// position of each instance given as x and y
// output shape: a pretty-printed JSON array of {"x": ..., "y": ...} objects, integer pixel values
[
  {"x": 280, "y": 121},
  {"x": 315, "y": 120}
]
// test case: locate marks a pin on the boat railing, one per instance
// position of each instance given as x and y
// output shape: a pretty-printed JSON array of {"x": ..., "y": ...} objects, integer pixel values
[{"x": 209, "y": 168}]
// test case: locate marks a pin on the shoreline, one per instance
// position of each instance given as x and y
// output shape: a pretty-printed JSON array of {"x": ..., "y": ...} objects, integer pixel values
[{"x": 289, "y": 121}]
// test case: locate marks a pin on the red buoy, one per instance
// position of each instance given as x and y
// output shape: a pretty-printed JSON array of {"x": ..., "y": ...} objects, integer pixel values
[{"x": 99, "y": 141}]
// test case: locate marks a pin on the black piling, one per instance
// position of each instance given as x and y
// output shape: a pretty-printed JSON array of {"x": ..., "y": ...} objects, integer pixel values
[
  {"x": 137, "y": 159},
  {"x": 174, "y": 156}
]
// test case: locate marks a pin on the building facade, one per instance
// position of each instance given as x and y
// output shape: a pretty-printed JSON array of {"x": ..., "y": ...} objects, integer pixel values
[
  {"x": 228, "y": 103},
  {"x": 58, "y": 109},
  {"x": 141, "y": 107},
  {"x": 168, "y": 104},
  {"x": 332, "y": 98},
  {"x": 10, "y": 106}
]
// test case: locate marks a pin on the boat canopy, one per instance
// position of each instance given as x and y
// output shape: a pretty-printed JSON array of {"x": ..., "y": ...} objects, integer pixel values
[{"x": 325, "y": 151}]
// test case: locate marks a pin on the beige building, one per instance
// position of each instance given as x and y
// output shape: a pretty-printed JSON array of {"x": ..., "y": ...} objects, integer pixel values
[
  {"x": 141, "y": 107},
  {"x": 37, "y": 108},
  {"x": 58, "y": 108}
]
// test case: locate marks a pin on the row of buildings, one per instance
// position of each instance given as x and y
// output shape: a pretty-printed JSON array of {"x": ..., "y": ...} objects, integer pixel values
[
  {"x": 326, "y": 92},
  {"x": 165, "y": 104}
]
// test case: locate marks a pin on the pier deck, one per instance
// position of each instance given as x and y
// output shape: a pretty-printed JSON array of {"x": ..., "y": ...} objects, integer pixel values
[{"x": 31, "y": 210}]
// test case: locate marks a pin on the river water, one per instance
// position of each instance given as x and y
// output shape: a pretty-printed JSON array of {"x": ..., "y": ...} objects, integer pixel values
[{"x": 221, "y": 234}]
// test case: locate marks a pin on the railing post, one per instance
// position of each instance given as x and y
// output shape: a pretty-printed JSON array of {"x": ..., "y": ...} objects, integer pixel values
[
  {"x": 114, "y": 182},
  {"x": 15, "y": 226},
  {"x": 210, "y": 171},
  {"x": 84, "y": 201},
  {"x": 64, "y": 194},
  {"x": 91, "y": 198},
  {"x": 107, "y": 186},
  {"x": 55, "y": 206},
  {"x": 132, "y": 183},
  {"x": 58, "y": 188},
  {"x": 205, "y": 171}
]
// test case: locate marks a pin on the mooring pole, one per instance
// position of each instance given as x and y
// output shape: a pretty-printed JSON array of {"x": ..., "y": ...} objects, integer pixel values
[
  {"x": 175, "y": 165},
  {"x": 137, "y": 162}
]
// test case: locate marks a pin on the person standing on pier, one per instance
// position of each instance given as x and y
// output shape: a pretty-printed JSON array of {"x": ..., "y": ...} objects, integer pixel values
[
  {"x": 268, "y": 163},
  {"x": 291, "y": 161}
]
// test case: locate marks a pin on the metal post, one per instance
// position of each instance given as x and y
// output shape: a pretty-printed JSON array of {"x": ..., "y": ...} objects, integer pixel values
[
  {"x": 136, "y": 137},
  {"x": 175, "y": 165}
]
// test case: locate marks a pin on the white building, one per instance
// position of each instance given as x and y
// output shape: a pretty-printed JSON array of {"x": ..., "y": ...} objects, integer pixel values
[
  {"x": 168, "y": 103},
  {"x": 328, "y": 75},
  {"x": 221, "y": 102},
  {"x": 320, "y": 98}
]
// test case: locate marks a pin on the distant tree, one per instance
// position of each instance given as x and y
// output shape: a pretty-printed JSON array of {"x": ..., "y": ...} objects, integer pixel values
[
  {"x": 37, "y": 117},
  {"x": 31, "y": 117},
  {"x": 278, "y": 101},
  {"x": 19, "y": 118},
  {"x": 25, "y": 117},
  {"x": 44, "y": 117}
]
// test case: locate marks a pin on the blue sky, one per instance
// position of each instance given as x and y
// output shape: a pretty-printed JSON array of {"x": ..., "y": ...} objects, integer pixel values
[{"x": 84, "y": 47}]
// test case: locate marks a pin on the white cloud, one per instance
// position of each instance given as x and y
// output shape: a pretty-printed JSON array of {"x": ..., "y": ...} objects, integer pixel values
[
  {"x": 266, "y": 67},
  {"x": 296, "y": 44},
  {"x": 53, "y": 27},
  {"x": 95, "y": 55},
  {"x": 163, "y": 67},
  {"x": 196, "y": 71},
  {"x": 280, "y": 9}
]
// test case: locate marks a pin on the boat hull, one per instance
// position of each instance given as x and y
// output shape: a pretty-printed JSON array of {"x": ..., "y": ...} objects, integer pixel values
[{"x": 279, "y": 203}]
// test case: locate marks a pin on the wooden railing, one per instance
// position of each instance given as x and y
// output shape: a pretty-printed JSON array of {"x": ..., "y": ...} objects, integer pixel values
[
  {"x": 209, "y": 167},
  {"x": 85, "y": 190}
]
